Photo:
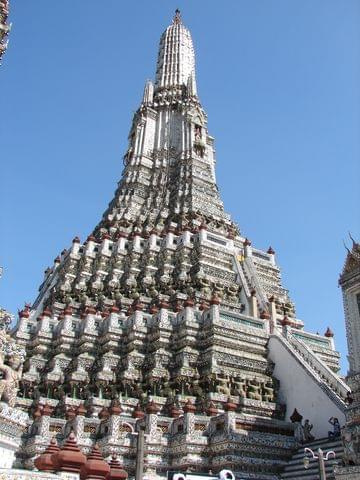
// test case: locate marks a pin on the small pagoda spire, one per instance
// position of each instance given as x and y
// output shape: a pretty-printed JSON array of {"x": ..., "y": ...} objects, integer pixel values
[
  {"x": 189, "y": 407},
  {"x": 45, "y": 461},
  {"x": 95, "y": 467},
  {"x": 148, "y": 93},
  {"x": 329, "y": 333},
  {"x": 191, "y": 86},
  {"x": 211, "y": 410},
  {"x": 69, "y": 458},
  {"x": 230, "y": 406},
  {"x": 138, "y": 412},
  {"x": 116, "y": 470}
]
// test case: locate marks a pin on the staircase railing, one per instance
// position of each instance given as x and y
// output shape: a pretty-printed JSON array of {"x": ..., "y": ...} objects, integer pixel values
[
  {"x": 320, "y": 367},
  {"x": 328, "y": 381},
  {"x": 253, "y": 278},
  {"x": 241, "y": 275}
]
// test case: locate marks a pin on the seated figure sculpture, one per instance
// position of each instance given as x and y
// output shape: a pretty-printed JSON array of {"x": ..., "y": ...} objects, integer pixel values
[
  {"x": 253, "y": 390},
  {"x": 222, "y": 384},
  {"x": 268, "y": 392},
  {"x": 238, "y": 386}
]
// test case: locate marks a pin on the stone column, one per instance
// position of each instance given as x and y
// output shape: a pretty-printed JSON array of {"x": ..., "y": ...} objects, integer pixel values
[
  {"x": 189, "y": 417},
  {"x": 78, "y": 423},
  {"x": 271, "y": 253},
  {"x": 140, "y": 453},
  {"x": 202, "y": 233},
  {"x": 44, "y": 423},
  {"x": 247, "y": 248},
  {"x": 253, "y": 304},
  {"x": 273, "y": 314}
]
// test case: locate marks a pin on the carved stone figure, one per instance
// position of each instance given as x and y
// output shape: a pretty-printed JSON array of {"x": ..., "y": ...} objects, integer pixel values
[
  {"x": 299, "y": 432},
  {"x": 349, "y": 456},
  {"x": 9, "y": 384},
  {"x": 238, "y": 387},
  {"x": 268, "y": 394},
  {"x": 308, "y": 437},
  {"x": 222, "y": 384},
  {"x": 253, "y": 389}
]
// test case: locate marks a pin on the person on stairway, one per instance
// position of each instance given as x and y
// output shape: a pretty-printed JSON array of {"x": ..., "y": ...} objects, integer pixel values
[{"x": 336, "y": 428}]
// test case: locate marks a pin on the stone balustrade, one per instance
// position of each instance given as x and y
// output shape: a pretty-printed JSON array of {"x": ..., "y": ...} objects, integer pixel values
[{"x": 333, "y": 381}]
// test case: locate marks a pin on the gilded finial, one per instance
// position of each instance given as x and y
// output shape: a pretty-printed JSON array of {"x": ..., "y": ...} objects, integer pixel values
[{"x": 177, "y": 17}]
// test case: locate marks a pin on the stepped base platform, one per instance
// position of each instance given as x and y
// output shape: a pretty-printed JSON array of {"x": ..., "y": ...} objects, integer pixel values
[
  {"x": 347, "y": 473},
  {"x": 295, "y": 469},
  {"x": 14, "y": 474}
]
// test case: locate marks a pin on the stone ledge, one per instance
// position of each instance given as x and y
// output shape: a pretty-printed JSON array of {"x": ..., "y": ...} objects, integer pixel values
[
  {"x": 13, "y": 415},
  {"x": 14, "y": 474},
  {"x": 347, "y": 473}
]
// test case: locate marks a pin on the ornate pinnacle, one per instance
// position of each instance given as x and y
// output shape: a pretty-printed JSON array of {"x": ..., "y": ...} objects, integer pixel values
[
  {"x": 177, "y": 17},
  {"x": 329, "y": 333}
]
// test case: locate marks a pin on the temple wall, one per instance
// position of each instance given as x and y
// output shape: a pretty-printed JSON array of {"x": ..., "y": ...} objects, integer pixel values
[
  {"x": 298, "y": 389},
  {"x": 14, "y": 474},
  {"x": 13, "y": 422},
  {"x": 6, "y": 455}
]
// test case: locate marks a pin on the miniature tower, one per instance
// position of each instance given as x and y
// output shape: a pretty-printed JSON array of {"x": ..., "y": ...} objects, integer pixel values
[{"x": 350, "y": 284}]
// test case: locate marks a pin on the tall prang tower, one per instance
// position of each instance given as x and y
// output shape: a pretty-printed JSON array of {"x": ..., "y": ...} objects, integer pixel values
[
  {"x": 167, "y": 317},
  {"x": 4, "y": 26},
  {"x": 349, "y": 282}
]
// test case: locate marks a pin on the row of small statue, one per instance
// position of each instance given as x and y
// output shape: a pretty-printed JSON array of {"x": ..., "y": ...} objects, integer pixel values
[
  {"x": 303, "y": 433},
  {"x": 254, "y": 388}
]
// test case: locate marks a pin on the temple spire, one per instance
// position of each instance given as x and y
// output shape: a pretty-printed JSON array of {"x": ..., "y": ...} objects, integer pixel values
[{"x": 176, "y": 57}]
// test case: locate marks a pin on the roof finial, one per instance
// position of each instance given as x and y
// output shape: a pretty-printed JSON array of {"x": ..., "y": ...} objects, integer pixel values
[
  {"x": 346, "y": 247},
  {"x": 351, "y": 238},
  {"x": 177, "y": 17}
]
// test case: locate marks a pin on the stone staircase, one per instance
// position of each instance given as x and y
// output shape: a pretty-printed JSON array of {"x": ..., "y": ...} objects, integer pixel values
[
  {"x": 295, "y": 470},
  {"x": 334, "y": 386}
]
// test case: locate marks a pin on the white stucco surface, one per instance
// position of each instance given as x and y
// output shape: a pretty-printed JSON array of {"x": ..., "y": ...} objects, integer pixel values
[
  {"x": 298, "y": 389},
  {"x": 7, "y": 456}
]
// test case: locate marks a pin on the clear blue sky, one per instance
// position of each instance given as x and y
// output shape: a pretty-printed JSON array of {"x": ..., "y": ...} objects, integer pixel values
[{"x": 280, "y": 83}]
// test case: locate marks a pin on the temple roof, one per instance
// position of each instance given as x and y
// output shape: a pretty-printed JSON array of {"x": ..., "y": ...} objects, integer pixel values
[{"x": 352, "y": 262}]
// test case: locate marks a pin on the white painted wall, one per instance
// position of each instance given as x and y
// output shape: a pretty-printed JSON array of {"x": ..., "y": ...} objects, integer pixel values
[
  {"x": 299, "y": 390},
  {"x": 7, "y": 456}
]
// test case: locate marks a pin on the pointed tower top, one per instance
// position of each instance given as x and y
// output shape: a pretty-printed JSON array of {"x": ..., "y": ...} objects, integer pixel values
[
  {"x": 176, "y": 58},
  {"x": 177, "y": 17}
]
